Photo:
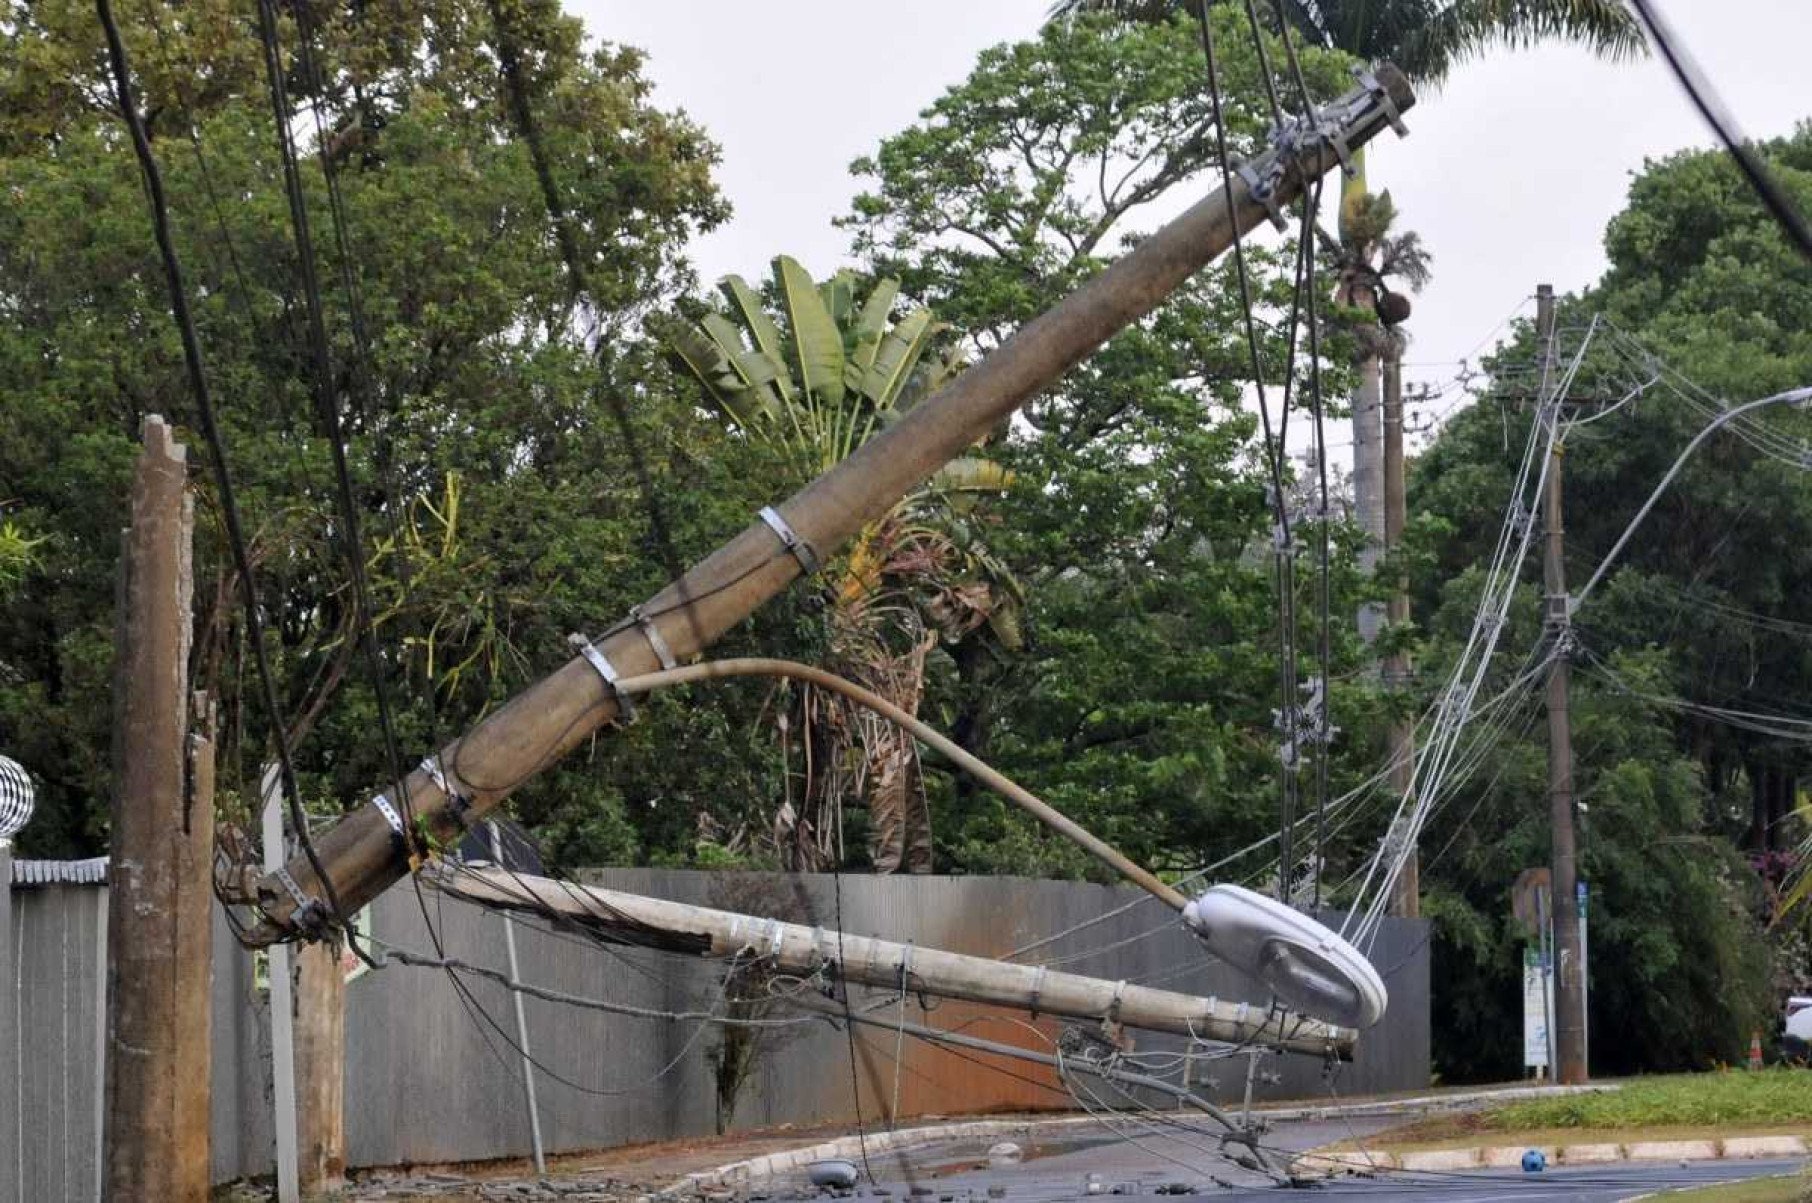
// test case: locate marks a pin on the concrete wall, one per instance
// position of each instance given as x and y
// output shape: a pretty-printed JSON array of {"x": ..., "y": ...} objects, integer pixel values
[{"x": 432, "y": 1076}]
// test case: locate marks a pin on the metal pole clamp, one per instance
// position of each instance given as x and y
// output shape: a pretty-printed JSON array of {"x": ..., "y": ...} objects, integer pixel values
[
  {"x": 656, "y": 641},
  {"x": 789, "y": 538},
  {"x": 606, "y": 670}
]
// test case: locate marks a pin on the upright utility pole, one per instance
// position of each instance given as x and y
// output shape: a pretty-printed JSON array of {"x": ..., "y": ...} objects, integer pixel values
[
  {"x": 159, "y": 909},
  {"x": 1406, "y": 894},
  {"x": 1569, "y": 1001}
]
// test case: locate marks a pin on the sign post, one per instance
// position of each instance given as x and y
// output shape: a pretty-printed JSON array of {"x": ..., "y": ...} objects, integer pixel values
[
  {"x": 283, "y": 1048},
  {"x": 1585, "y": 984},
  {"x": 1535, "y": 1011}
]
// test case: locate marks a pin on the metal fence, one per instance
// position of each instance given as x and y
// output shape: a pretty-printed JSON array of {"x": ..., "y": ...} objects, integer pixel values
[
  {"x": 432, "y": 1076},
  {"x": 53, "y": 937}
]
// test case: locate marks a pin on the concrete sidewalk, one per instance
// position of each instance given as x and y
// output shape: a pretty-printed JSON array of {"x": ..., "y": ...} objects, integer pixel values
[{"x": 1585, "y": 1153}]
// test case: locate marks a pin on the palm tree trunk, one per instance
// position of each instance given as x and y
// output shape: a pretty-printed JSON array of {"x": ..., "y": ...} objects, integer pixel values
[
  {"x": 899, "y": 822},
  {"x": 1368, "y": 458}
]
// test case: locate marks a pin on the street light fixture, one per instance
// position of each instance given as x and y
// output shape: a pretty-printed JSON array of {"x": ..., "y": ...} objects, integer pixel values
[{"x": 1307, "y": 965}]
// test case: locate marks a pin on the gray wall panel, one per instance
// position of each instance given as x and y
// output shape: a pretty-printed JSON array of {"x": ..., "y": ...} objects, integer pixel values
[
  {"x": 243, "y": 1136},
  {"x": 429, "y": 1080},
  {"x": 59, "y": 984}
]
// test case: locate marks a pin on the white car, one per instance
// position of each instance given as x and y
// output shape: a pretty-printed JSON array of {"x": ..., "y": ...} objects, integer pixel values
[{"x": 1797, "y": 1040}]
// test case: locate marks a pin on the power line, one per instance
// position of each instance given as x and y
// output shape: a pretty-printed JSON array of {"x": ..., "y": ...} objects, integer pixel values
[
  {"x": 1785, "y": 213},
  {"x": 327, "y": 411},
  {"x": 1284, "y": 563},
  {"x": 1436, "y": 759},
  {"x": 402, "y": 956},
  {"x": 210, "y": 428},
  {"x": 509, "y": 59},
  {"x": 1779, "y": 726}
]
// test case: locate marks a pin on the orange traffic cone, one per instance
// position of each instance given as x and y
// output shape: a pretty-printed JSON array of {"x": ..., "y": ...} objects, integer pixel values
[{"x": 1755, "y": 1050}]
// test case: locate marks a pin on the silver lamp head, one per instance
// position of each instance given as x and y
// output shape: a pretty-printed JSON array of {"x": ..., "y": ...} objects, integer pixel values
[
  {"x": 17, "y": 798},
  {"x": 1305, "y": 964}
]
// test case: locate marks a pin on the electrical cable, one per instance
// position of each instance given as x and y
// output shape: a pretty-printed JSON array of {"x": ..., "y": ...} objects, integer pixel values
[
  {"x": 1343, "y": 806},
  {"x": 1435, "y": 758},
  {"x": 967, "y": 761},
  {"x": 328, "y": 408},
  {"x": 509, "y": 59},
  {"x": 328, "y": 415},
  {"x": 1777, "y": 726},
  {"x": 899, "y": 1045},
  {"x": 1281, "y": 538},
  {"x": 1108, "y": 1116},
  {"x": 362, "y": 358},
  {"x": 207, "y": 419},
  {"x": 849, "y": 1027},
  {"x": 1773, "y": 197},
  {"x": 1264, "y": 62},
  {"x": 1323, "y": 569},
  {"x": 167, "y": 57},
  {"x": 1289, "y": 44},
  {"x": 388, "y": 952}
]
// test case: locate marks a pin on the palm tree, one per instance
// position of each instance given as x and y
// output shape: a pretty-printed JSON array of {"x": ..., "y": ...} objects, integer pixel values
[
  {"x": 814, "y": 385},
  {"x": 1425, "y": 39},
  {"x": 1370, "y": 258}
]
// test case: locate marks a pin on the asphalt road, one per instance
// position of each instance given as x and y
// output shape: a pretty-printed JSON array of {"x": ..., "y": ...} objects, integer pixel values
[{"x": 1158, "y": 1156}]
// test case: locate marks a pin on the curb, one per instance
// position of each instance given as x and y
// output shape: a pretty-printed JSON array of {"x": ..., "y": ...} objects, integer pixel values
[
  {"x": 1734, "y": 1148},
  {"x": 739, "y": 1173},
  {"x": 742, "y": 1173}
]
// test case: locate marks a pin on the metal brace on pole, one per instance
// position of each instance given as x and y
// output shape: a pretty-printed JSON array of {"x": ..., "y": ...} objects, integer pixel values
[
  {"x": 522, "y": 1042},
  {"x": 283, "y": 1033}
]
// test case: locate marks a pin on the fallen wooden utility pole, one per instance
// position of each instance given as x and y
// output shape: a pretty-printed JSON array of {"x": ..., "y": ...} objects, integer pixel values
[
  {"x": 370, "y": 848},
  {"x": 865, "y": 961}
]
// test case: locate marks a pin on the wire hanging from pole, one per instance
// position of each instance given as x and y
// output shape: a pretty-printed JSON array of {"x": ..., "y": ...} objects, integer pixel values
[
  {"x": 327, "y": 408},
  {"x": 1324, "y": 514},
  {"x": 1281, "y": 537},
  {"x": 210, "y": 428},
  {"x": 509, "y": 58},
  {"x": 1773, "y": 197},
  {"x": 351, "y": 541}
]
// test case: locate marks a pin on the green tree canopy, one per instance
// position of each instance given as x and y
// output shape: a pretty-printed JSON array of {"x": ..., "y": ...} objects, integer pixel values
[
  {"x": 1138, "y": 522},
  {"x": 502, "y": 510},
  {"x": 1697, "y": 619}
]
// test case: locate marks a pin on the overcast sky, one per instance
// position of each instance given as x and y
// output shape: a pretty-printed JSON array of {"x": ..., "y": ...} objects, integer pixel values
[{"x": 1510, "y": 172}]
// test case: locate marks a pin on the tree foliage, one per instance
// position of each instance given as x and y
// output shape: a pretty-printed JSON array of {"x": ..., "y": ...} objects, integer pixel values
[
  {"x": 501, "y": 509},
  {"x": 1691, "y": 815},
  {"x": 1427, "y": 39},
  {"x": 813, "y": 381},
  {"x": 1138, "y": 521}
]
